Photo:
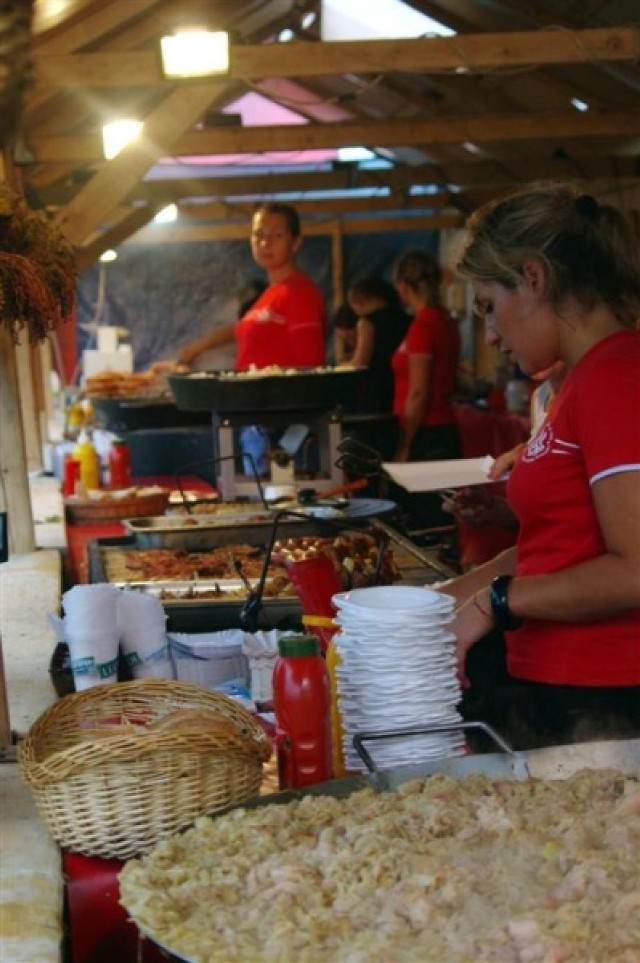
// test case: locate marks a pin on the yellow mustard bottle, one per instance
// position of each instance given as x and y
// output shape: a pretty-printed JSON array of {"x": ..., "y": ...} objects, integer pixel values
[
  {"x": 86, "y": 454},
  {"x": 332, "y": 660}
]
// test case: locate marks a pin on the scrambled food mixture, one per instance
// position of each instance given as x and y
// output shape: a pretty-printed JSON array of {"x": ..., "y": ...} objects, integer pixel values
[
  {"x": 442, "y": 871},
  {"x": 270, "y": 371}
]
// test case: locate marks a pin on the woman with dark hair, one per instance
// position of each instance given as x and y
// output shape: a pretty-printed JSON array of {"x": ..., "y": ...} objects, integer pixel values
[
  {"x": 425, "y": 370},
  {"x": 556, "y": 276},
  {"x": 425, "y": 365},
  {"x": 285, "y": 325},
  {"x": 382, "y": 324},
  {"x": 345, "y": 322}
]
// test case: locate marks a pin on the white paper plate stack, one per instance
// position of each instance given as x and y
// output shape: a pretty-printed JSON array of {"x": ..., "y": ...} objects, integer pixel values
[{"x": 397, "y": 671}]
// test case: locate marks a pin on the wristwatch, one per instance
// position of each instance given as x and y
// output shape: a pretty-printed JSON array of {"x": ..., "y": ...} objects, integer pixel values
[{"x": 499, "y": 598}]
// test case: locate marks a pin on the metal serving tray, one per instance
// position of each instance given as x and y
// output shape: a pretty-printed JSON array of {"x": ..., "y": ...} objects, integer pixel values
[
  {"x": 558, "y": 762},
  {"x": 208, "y": 531},
  {"x": 196, "y": 615},
  {"x": 192, "y": 531}
]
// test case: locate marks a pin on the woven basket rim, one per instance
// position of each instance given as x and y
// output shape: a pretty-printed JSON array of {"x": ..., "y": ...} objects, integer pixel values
[
  {"x": 74, "y": 500},
  {"x": 90, "y": 754},
  {"x": 93, "y": 509}
]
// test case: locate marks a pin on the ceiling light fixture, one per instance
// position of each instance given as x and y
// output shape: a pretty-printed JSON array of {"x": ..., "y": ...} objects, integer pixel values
[
  {"x": 195, "y": 53},
  {"x": 117, "y": 134},
  {"x": 167, "y": 214},
  {"x": 353, "y": 155},
  {"x": 580, "y": 105}
]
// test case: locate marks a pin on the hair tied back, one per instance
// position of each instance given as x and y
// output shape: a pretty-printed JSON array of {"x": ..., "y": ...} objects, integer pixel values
[{"x": 588, "y": 207}]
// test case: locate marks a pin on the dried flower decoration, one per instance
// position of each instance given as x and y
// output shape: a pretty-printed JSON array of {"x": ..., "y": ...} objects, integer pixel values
[{"x": 37, "y": 270}]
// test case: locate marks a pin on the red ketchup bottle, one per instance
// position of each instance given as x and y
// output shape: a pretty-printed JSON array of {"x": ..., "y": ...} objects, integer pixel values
[
  {"x": 316, "y": 581},
  {"x": 302, "y": 704},
  {"x": 119, "y": 464}
]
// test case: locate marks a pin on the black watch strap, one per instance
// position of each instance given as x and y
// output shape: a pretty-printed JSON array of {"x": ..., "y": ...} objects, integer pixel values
[{"x": 499, "y": 597}]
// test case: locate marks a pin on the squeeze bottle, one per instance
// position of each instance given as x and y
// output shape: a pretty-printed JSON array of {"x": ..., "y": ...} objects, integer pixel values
[
  {"x": 302, "y": 704},
  {"x": 316, "y": 582},
  {"x": 86, "y": 454},
  {"x": 119, "y": 464}
]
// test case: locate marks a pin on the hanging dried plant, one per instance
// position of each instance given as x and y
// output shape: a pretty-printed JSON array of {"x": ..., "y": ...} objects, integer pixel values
[{"x": 37, "y": 269}]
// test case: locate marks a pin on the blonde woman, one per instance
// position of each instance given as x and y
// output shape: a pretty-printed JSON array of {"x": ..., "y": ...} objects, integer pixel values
[{"x": 557, "y": 277}]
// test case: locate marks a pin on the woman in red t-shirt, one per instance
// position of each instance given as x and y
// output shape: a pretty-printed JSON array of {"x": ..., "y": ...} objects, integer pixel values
[
  {"x": 425, "y": 368},
  {"x": 556, "y": 276},
  {"x": 285, "y": 325}
]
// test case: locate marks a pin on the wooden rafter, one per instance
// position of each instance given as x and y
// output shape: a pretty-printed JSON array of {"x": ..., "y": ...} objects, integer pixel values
[
  {"x": 471, "y": 52},
  {"x": 560, "y": 124}
]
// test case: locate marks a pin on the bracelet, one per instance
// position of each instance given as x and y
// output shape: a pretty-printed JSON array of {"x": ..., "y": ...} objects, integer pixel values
[{"x": 499, "y": 596}]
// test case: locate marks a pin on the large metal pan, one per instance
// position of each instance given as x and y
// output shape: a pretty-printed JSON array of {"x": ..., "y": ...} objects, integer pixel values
[
  {"x": 133, "y": 414},
  {"x": 558, "y": 762},
  {"x": 303, "y": 389}
]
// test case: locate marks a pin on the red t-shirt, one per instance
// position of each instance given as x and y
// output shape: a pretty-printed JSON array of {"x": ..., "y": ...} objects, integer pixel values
[
  {"x": 433, "y": 332},
  {"x": 592, "y": 431},
  {"x": 285, "y": 326}
]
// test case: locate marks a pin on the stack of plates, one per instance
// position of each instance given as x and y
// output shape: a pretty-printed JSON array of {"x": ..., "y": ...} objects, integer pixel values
[{"x": 397, "y": 670}]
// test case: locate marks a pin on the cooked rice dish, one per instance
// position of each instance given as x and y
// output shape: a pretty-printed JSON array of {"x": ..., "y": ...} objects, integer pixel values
[{"x": 441, "y": 871}]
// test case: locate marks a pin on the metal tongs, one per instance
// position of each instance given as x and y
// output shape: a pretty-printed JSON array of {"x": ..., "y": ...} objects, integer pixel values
[
  {"x": 357, "y": 458},
  {"x": 216, "y": 461}
]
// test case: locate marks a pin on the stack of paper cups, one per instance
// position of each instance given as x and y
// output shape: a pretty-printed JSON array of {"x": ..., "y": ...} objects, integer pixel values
[
  {"x": 143, "y": 635},
  {"x": 91, "y": 632}
]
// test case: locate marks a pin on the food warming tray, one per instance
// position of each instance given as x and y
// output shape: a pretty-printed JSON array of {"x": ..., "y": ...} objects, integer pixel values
[
  {"x": 299, "y": 389},
  {"x": 557, "y": 762},
  {"x": 208, "y": 530},
  {"x": 195, "y": 613},
  {"x": 200, "y": 531}
]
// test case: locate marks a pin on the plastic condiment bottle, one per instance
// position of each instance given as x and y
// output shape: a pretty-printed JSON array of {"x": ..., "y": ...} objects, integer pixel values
[
  {"x": 119, "y": 464},
  {"x": 86, "y": 454},
  {"x": 302, "y": 704},
  {"x": 316, "y": 582}
]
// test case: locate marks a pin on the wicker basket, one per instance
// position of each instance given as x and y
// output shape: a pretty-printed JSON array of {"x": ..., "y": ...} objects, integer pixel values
[
  {"x": 90, "y": 511},
  {"x": 106, "y": 791}
]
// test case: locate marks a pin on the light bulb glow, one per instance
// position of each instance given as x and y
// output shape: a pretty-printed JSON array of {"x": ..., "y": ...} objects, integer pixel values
[
  {"x": 117, "y": 134},
  {"x": 195, "y": 53}
]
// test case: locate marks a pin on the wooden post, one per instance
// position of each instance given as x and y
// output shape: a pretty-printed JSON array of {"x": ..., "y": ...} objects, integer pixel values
[
  {"x": 28, "y": 404},
  {"x": 5, "y": 724},
  {"x": 337, "y": 271},
  {"x": 14, "y": 484}
]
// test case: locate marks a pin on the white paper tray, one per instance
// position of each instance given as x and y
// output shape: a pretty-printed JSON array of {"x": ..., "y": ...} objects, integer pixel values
[{"x": 430, "y": 476}]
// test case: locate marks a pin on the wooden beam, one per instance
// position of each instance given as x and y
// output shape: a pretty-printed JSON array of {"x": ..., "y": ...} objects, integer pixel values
[
  {"x": 472, "y": 52},
  {"x": 104, "y": 192},
  {"x": 490, "y": 175},
  {"x": 83, "y": 28},
  {"x": 561, "y": 124},
  {"x": 218, "y": 210},
  {"x": 179, "y": 234},
  {"x": 130, "y": 222}
]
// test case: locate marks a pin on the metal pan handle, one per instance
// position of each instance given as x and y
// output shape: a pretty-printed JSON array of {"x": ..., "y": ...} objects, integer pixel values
[{"x": 361, "y": 737}]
